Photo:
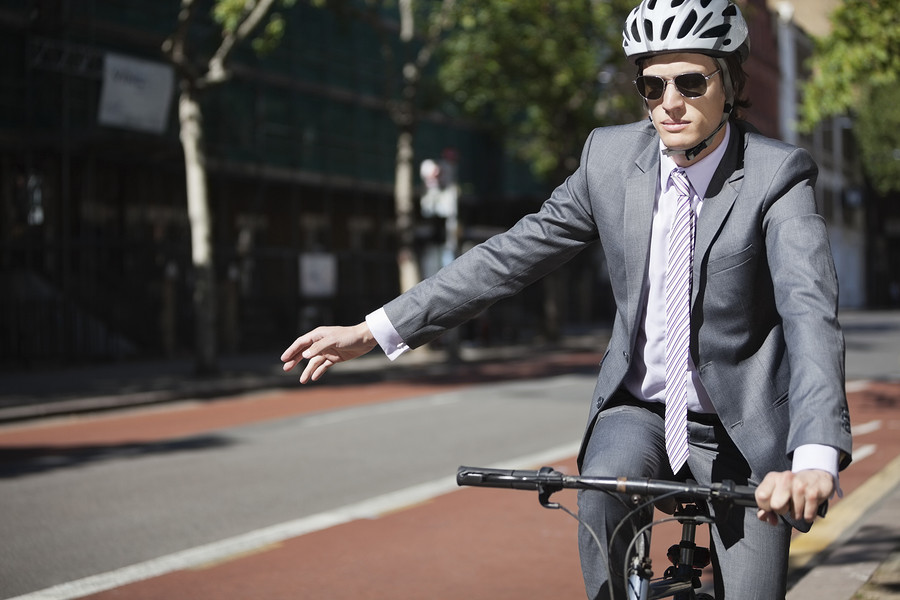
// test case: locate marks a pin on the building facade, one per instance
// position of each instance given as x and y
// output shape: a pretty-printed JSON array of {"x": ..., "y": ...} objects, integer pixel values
[
  {"x": 95, "y": 238},
  {"x": 95, "y": 250}
]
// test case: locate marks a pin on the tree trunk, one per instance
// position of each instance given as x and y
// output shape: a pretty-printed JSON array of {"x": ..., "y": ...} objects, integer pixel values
[
  {"x": 407, "y": 261},
  {"x": 199, "y": 214}
]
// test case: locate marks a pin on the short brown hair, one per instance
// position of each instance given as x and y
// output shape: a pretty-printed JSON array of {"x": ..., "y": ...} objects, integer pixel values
[{"x": 738, "y": 81}]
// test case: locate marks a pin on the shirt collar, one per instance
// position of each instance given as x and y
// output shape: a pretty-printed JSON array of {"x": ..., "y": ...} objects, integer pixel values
[{"x": 701, "y": 172}]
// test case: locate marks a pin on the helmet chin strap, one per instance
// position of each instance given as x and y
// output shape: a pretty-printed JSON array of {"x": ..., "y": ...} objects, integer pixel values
[{"x": 691, "y": 153}]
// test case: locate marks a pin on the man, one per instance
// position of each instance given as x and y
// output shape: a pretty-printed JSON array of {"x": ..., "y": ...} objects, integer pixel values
[{"x": 726, "y": 356}]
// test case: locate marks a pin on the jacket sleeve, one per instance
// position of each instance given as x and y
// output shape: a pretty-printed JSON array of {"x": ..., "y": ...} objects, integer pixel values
[{"x": 806, "y": 297}]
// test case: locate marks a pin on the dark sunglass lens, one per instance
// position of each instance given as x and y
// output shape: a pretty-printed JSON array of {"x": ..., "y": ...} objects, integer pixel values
[
  {"x": 650, "y": 87},
  {"x": 691, "y": 85}
]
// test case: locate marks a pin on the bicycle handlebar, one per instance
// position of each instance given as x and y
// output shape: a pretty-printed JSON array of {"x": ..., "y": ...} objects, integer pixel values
[{"x": 549, "y": 480}]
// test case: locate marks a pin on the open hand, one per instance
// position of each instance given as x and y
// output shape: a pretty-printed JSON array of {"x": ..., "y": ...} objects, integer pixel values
[{"x": 324, "y": 347}]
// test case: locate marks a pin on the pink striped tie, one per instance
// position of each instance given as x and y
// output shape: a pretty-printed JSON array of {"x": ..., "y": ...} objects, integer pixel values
[{"x": 678, "y": 321}]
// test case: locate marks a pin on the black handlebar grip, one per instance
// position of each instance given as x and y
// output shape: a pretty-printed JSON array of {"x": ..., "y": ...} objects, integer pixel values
[
  {"x": 745, "y": 495},
  {"x": 739, "y": 495},
  {"x": 500, "y": 478}
]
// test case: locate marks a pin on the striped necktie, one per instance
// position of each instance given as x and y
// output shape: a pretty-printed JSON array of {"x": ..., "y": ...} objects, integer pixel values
[{"x": 678, "y": 320}]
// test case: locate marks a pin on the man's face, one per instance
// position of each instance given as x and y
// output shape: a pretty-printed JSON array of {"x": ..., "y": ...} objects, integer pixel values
[{"x": 684, "y": 122}]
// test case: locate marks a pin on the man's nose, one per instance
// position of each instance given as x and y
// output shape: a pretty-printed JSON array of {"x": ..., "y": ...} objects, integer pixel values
[{"x": 671, "y": 96}]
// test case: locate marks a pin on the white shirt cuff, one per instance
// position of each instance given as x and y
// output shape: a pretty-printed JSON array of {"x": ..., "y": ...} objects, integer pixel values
[
  {"x": 384, "y": 333},
  {"x": 818, "y": 456}
]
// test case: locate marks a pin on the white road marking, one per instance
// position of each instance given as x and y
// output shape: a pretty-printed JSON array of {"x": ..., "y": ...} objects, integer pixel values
[
  {"x": 864, "y": 428},
  {"x": 856, "y": 386},
  {"x": 863, "y": 452},
  {"x": 254, "y": 540},
  {"x": 359, "y": 412}
]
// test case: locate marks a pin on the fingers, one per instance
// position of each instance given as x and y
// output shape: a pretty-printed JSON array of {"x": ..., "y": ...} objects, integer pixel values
[
  {"x": 798, "y": 494},
  {"x": 773, "y": 496},
  {"x": 315, "y": 368},
  {"x": 318, "y": 348},
  {"x": 324, "y": 347},
  {"x": 293, "y": 354},
  {"x": 808, "y": 499},
  {"x": 815, "y": 487},
  {"x": 306, "y": 346},
  {"x": 767, "y": 517}
]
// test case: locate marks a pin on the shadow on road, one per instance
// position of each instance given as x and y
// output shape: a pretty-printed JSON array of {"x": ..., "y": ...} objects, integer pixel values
[{"x": 32, "y": 460}]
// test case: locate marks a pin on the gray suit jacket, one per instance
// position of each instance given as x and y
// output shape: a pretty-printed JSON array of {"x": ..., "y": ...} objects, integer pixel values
[{"x": 765, "y": 334}]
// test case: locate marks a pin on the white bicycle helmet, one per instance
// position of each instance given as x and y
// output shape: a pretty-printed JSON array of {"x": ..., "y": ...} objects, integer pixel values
[{"x": 713, "y": 27}]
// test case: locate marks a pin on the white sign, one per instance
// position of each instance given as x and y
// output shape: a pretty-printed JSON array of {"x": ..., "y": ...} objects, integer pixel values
[
  {"x": 136, "y": 94},
  {"x": 318, "y": 275}
]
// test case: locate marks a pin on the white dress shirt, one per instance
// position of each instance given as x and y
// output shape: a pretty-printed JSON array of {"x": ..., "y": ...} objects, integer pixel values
[{"x": 646, "y": 380}]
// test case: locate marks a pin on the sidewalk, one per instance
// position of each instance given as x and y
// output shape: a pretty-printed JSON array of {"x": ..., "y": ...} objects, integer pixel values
[
  {"x": 862, "y": 564},
  {"x": 46, "y": 392}
]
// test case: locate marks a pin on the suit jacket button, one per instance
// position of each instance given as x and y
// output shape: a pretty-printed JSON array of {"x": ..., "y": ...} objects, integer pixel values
[{"x": 600, "y": 401}]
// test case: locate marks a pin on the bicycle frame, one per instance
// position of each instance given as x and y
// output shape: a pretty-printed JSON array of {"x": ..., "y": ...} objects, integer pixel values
[{"x": 681, "y": 579}]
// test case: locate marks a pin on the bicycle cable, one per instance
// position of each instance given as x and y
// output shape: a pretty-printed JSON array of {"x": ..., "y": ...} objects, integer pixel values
[
  {"x": 603, "y": 551},
  {"x": 640, "y": 531},
  {"x": 628, "y": 519}
]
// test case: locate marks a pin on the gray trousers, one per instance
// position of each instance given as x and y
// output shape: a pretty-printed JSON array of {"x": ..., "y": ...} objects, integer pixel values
[{"x": 749, "y": 557}]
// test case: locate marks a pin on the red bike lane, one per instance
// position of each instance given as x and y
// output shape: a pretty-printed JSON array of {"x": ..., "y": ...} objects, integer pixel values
[{"x": 471, "y": 543}]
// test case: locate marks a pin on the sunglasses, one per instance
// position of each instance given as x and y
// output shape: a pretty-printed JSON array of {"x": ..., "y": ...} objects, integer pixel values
[{"x": 689, "y": 85}]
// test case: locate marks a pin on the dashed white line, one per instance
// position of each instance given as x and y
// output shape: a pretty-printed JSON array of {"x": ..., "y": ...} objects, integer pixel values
[
  {"x": 863, "y": 451},
  {"x": 856, "y": 386},
  {"x": 358, "y": 412},
  {"x": 864, "y": 428}
]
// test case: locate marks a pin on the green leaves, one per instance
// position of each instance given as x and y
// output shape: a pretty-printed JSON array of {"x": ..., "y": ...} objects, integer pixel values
[
  {"x": 876, "y": 127},
  {"x": 534, "y": 67},
  {"x": 855, "y": 69},
  {"x": 232, "y": 14}
]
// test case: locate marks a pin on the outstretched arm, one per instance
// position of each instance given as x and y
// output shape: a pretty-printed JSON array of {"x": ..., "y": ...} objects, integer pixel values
[{"x": 324, "y": 347}]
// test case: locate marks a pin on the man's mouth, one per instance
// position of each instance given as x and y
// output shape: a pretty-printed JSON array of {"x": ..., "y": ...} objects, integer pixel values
[{"x": 675, "y": 126}]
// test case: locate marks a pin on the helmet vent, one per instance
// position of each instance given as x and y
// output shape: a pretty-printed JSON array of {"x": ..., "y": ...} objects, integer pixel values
[
  {"x": 730, "y": 11},
  {"x": 717, "y": 31},
  {"x": 648, "y": 29},
  {"x": 635, "y": 34},
  {"x": 666, "y": 26},
  {"x": 688, "y": 24},
  {"x": 702, "y": 23}
]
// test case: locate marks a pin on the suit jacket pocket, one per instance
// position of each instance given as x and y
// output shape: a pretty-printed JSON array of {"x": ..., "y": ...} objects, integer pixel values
[
  {"x": 780, "y": 400},
  {"x": 731, "y": 261}
]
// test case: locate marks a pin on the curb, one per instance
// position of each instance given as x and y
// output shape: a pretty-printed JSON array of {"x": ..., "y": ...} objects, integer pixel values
[{"x": 860, "y": 535}]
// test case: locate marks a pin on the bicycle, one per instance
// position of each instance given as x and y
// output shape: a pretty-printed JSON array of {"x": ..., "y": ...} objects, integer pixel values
[{"x": 681, "y": 579}]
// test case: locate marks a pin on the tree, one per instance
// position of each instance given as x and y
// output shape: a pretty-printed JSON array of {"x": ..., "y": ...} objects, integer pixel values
[
  {"x": 855, "y": 69},
  {"x": 546, "y": 73},
  {"x": 242, "y": 21},
  {"x": 408, "y": 44}
]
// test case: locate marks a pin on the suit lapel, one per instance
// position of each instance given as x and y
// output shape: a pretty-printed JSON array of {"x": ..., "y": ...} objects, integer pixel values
[
  {"x": 720, "y": 198},
  {"x": 640, "y": 194}
]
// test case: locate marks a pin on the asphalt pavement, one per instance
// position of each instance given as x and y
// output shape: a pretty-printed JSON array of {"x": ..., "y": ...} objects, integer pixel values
[{"x": 862, "y": 564}]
